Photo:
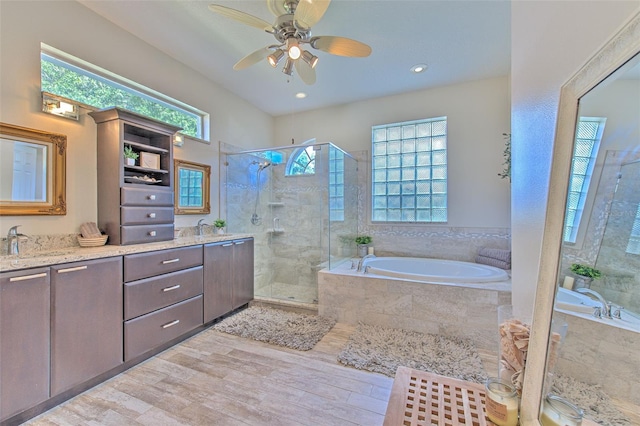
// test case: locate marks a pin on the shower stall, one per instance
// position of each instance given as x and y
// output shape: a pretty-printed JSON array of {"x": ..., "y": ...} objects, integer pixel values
[{"x": 300, "y": 204}]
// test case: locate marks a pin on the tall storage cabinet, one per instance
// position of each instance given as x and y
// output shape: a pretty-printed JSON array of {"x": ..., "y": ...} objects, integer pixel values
[{"x": 135, "y": 202}]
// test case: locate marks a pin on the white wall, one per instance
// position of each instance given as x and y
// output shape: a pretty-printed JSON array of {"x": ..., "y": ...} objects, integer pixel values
[
  {"x": 550, "y": 41},
  {"x": 477, "y": 116},
  {"x": 71, "y": 27}
]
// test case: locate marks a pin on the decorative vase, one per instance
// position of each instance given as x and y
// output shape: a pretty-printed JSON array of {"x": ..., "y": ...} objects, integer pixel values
[
  {"x": 130, "y": 161},
  {"x": 362, "y": 250},
  {"x": 220, "y": 231},
  {"x": 582, "y": 282}
]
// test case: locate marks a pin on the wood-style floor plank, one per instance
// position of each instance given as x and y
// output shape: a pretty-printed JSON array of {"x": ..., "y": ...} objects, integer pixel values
[{"x": 216, "y": 378}]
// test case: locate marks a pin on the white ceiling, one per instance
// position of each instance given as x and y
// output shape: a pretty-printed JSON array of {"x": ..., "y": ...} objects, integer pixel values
[{"x": 459, "y": 41}]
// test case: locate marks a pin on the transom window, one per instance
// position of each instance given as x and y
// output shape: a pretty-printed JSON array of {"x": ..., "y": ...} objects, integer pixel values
[
  {"x": 71, "y": 78},
  {"x": 302, "y": 162},
  {"x": 409, "y": 171},
  {"x": 588, "y": 136}
]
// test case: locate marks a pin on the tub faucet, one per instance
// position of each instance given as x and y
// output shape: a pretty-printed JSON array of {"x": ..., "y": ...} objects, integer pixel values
[
  {"x": 605, "y": 310},
  {"x": 362, "y": 261},
  {"x": 13, "y": 240},
  {"x": 199, "y": 226}
]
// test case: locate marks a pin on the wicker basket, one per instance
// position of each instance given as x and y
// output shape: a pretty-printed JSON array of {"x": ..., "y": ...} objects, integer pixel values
[{"x": 92, "y": 242}]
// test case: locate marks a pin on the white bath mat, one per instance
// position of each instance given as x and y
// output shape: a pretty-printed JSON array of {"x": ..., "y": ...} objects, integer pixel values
[
  {"x": 277, "y": 327},
  {"x": 382, "y": 350}
]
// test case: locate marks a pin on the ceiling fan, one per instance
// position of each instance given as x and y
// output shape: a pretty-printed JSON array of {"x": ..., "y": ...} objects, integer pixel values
[{"x": 292, "y": 30}]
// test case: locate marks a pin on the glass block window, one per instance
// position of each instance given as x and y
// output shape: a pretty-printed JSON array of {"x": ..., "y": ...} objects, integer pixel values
[
  {"x": 336, "y": 185},
  {"x": 588, "y": 135},
  {"x": 69, "y": 77},
  {"x": 633, "y": 246},
  {"x": 190, "y": 187},
  {"x": 302, "y": 162},
  {"x": 409, "y": 171}
]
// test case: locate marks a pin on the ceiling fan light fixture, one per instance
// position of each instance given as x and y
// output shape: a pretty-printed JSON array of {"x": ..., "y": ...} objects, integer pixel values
[
  {"x": 288, "y": 67},
  {"x": 293, "y": 49},
  {"x": 275, "y": 57},
  {"x": 309, "y": 58}
]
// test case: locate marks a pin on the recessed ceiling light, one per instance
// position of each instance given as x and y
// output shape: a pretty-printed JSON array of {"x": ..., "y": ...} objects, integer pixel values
[
  {"x": 301, "y": 95},
  {"x": 418, "y": 68}
]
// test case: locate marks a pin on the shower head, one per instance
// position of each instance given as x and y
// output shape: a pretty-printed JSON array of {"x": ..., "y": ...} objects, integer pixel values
[{"x": 262, "y": 166}]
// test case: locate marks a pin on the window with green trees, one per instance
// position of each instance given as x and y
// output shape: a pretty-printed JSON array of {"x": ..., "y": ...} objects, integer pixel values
[{"x": 89, "y": 86}]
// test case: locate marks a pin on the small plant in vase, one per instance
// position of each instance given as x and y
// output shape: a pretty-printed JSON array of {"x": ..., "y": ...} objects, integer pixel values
[
  {"x": 130, "y": 156},
  {"x": 363, "y": 242},
  {"x": 584, "y": 274},
  {"x": 219, "y": 225}
]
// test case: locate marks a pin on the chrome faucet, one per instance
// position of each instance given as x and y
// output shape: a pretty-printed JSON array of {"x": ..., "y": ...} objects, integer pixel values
[
  {"x": 199, "y": 226},
  {"x": 362, "y": 261},
  {"x": 605, "y": 310},
  {"x": 13, "y": 240}
]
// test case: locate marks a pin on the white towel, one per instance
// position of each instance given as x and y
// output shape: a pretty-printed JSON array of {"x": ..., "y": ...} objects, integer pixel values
[{"x": 499, "y": 254}]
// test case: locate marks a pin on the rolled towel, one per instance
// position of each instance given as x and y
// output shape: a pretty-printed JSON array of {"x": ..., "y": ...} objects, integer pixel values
[
  {"x": 493, "y": 262},
  {"x": 89, "y": 230},
  {"x": 500, "y": 254}
]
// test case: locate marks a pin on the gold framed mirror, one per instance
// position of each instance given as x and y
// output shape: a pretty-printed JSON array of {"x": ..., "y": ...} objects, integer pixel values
[
  {"x": 192, "y": 187},
  {"x": 33, "y": 172},
  {"x": 619, "y": 52}
]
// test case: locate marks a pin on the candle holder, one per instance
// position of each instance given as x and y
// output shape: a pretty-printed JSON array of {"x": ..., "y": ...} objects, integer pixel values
[
  {"x": 501, "y": 402},
  {"x": 558, "y": 411}
]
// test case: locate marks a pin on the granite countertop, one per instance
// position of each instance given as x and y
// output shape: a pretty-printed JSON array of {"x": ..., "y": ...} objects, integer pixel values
[{"x": 37, "y": 259}]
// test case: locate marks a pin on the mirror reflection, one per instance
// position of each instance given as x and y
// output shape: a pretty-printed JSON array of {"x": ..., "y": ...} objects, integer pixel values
[
  {"x": 597, "y": 305},
  {"x": 192, "y": 192},
  {"x": 32, "y": 171},
  {"x": 24, "y": 171}
]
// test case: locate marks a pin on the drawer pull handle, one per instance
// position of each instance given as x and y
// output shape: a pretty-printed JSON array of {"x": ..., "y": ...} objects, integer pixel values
[
  {"x": 239, "y": 242},
  {"x": 173, "y": 287},
  {"x": 151, "y": 197},
  {"x": 77, "y": 268},
  {"x": 227, "y": 245},
  {"x": 152, "y": 233},
  {"x": 27, "y": 277},
  {"x": 152, "y": 215},
  {"x": 177, "y": 259},
  {"x": 171, "y": 324}
]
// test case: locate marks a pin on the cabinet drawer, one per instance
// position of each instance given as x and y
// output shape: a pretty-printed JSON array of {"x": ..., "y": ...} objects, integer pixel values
[
  {"x": 145, "y": 265},
  {"x": 144, "y": 296},
  {"x": 149, "y": 331},
  {"x": 146, "y": 196},
  {"x": 145, "y": 215},
  {"x": 136, "y": 234}
]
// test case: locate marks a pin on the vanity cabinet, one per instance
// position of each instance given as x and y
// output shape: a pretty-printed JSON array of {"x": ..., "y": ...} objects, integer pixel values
[
  {"x": 86, "y": 321},
  {"x": 162, "y": 297},
  {"x": 24, "y": 339},
  {"x": 228, "y": 277},
  {"x": 135, "y": 202}
]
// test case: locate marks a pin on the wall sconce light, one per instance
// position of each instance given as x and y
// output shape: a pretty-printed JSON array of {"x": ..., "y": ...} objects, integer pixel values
[
  {"x": 52, "y": 104},
  {"x": 178, "y": 139}
]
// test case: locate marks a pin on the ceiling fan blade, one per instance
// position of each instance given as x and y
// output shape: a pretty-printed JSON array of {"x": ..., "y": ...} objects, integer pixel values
[
  {"x": 276, "y": 7},
  {"x": 242, "y": 17},
  {"x": 306, "y": 73},
  {"x": 340, "y": 46},
  {"x": 252, "y": 58},
  {"x": 309, "y": 12}
]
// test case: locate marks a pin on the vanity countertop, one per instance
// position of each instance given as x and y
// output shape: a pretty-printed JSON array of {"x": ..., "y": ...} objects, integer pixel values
[{"x": 74, "y": 254}]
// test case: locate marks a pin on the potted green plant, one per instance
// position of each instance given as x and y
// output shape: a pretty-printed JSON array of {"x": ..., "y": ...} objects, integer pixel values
[
  {"x": 363, "y": 242},
  {"x": 219, "y": 225},
  {"x": 584, "y": 274},
  {"x": 130, "y": 156}
]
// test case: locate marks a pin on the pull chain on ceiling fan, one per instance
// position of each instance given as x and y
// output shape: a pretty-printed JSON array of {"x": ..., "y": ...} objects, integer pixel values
[{"x": 292, "y": 30}]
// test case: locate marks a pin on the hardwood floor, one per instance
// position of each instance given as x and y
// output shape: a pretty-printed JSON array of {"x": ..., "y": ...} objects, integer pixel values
[{"x": 218, "y": 379}]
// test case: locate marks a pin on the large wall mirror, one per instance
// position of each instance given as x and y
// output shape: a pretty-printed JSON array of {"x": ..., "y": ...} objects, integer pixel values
[
  {"x": 32, "y": 171},
  {"x": 192, "y": 187},
  {"x": 593, "y": 219}
]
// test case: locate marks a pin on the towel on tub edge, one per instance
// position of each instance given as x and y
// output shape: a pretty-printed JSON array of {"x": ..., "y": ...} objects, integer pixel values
[
  {"x": 494, "y": 253},
  {"x": 493, "y": 262}
]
